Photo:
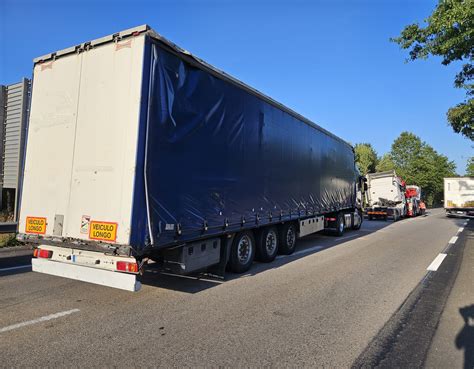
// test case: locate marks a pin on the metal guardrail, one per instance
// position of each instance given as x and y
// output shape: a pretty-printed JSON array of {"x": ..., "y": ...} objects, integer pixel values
[{"x": 10, "y": 227}]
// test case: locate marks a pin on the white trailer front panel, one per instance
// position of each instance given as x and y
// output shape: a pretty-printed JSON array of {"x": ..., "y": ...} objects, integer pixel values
[
  {"x": 82, "y": 143},
  {"x": 384, "y": 186},
  {"x": 459, "y": 193}
]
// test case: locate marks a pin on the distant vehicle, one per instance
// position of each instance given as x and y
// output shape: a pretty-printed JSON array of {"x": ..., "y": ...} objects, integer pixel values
[
  {"x": 385, "y": 196},
  {"x": 138, "y": 151},
  {"x": 413, "y": 200},
  {"x": 459, "y": 196},
  {"x": 422, "y": 207}
]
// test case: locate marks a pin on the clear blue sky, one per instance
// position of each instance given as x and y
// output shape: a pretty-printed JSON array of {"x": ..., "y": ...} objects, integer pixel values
[{"x": 328, "y": 60}]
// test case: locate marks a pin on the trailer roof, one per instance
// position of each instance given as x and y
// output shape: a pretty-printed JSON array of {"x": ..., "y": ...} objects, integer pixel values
[
  {"x": 464, "y": 177},
  {"x": 388, "y": 173},
  {"x": 189, "y": 58}
]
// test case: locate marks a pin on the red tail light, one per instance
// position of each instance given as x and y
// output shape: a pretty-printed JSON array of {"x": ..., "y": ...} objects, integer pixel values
[
  {"x": 125, "y": 266},
  {"x": 39, "y": 253}
]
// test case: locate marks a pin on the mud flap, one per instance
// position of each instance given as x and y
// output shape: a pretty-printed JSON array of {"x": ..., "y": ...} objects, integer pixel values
[{"x": 218, "y": 270}]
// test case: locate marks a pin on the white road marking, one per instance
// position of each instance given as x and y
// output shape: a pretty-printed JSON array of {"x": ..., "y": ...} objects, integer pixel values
[
  {"x": 436, "y": 262},
  {"x": 460, "y": 230},
  {"x": 346, "y": 237},
  {"x": 311, "y": 249},
  {"x": 305, "y": 251},
  {"x": 453, "y": 239},
  {"x": 14, "y": 268},
  {"x": 39, "y": 320}
]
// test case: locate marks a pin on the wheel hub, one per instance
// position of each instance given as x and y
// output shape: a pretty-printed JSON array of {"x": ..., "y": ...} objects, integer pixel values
[
  {"x": 244, "y": 249},
  {"x": 271, "y": 242},
  {"x": 290, "y": 237}
]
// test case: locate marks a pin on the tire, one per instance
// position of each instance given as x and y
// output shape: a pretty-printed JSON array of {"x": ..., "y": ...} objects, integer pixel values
[
  {"x": 395, "y": 216},
  {"x": 287, "y": 238},
  {"x": 242, "y": 252},
  {"x": 267, "y": 244},
  {"x": 340, "y": 225},
  {"x": 356, "y": 227}
]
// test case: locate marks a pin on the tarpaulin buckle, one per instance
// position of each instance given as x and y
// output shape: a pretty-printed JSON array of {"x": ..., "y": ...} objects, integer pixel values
[
  {"x": 242, "y": 221},
  {"x": 178, "y": 229},
  {"x": 205, "y": 227},
  {"x": 226, "y": 223},
  {"x": 257, "y": 218}
]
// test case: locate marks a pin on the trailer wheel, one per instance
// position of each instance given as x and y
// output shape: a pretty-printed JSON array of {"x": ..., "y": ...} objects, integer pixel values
[
  {"x": 356, "y": 227},
  {"x": 340, "y": 224},
  {"x": 287, "y": 239},
  {"x": 395, "y": 216},
  {"x": 267, "y": 244},
  {"x": 242, "y": 252}
]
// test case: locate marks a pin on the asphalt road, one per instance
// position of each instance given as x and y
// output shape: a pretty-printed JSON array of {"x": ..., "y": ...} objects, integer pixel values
[{"x": 323, "y": 306}]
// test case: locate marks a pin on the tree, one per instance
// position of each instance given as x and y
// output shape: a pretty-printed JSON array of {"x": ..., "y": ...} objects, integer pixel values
[
  {"x": 418, "y": 163},
  {"x": 406, "y": 152},
  {"x": 366, "y": 158},
  {"x": 449, "y": 33},
  {"x": 470, "y": 167},
  {"x": 385, "y": 163}
]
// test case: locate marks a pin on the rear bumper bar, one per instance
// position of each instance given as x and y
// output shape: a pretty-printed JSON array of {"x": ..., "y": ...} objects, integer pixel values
[
  {"x": 456, "y": 215},
  {"x": 102, "y": 277}
]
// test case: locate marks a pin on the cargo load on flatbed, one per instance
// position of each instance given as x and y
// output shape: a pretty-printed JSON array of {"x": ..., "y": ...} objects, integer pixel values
[{"x": 140, "y": 149}]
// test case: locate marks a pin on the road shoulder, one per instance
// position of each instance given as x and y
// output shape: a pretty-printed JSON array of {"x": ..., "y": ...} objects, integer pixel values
[
  {"x": 406, "y": 338},
  {"x": 453, "y": 343}
]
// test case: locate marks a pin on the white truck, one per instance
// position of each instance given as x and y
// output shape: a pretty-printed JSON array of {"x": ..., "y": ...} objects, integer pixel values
[
  {"x": 385, "y": 196},
  {"x": 459, "y": 196}
]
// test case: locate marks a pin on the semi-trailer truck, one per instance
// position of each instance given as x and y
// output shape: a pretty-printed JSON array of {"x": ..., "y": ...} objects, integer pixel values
[
  {"x": 459, "y": 196},
  {"x": 385, "y": 196},
  {"x": 139, "y": 151}
]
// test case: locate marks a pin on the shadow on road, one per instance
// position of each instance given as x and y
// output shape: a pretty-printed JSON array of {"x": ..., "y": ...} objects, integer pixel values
[
  {"x": 306, "y": 246},
  {"x": 14, "y": 264},
  {"x": 465, "y": 338}
]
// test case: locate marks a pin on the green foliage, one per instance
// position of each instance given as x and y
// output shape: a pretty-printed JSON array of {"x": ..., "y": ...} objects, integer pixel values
[
  {"x": 406, "y": 153},
  {"x": 366, "y": 158},
  {"x": 448, "y": 33},
  {"x": 385, "y": 163},
  {"x": 418, "y": 163},
  {"x": 461, "y": 118},
  {"x": 470, "y": 167}
]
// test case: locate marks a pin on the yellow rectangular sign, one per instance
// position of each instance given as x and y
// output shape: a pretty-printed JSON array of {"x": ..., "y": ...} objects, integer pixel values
[
  {"x": 35, "y": 225},
  {"x": 103, "y": 231}
]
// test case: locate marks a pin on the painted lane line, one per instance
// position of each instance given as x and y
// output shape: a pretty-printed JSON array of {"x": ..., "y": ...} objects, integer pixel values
[
  {"x": 436, "y": 262},
  {"x": 453, "y": 239},
  {"x": 311, "y": 249},
  {"x": 460, "y": 230},
  {"x": 346, "y": 237},
  {"x": 305, "y": 251},
  {"x": 14, "y": 268},
  {"x": 39, "y": 320}
]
